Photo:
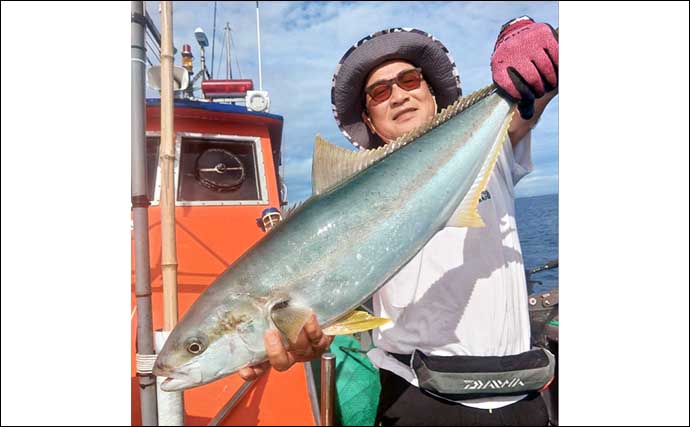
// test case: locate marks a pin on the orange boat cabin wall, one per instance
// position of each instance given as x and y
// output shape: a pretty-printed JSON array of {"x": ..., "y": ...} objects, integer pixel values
[{"x": 216, "y": 222}]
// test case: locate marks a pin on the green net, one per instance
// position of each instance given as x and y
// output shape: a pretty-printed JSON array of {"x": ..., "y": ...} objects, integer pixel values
[{"x": 357, "y": 384}]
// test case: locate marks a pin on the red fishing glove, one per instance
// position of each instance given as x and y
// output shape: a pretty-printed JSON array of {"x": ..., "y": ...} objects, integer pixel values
[{"x": 524, "y": 64}]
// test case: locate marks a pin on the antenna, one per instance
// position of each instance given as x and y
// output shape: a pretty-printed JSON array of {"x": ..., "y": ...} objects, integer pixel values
[
  {"x": 258, "y": 100},
  {"x": 213, "y": 43},
  {"x": 228, "y": 66},
  {"x": 258, "y": 42}
]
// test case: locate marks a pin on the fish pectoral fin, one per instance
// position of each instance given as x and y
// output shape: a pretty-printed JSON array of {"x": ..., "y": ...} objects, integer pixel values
[
  {"x": 466, "y": 218},
  {"x": 290, "y": 319},
  {"x": 357, "y": 321}
]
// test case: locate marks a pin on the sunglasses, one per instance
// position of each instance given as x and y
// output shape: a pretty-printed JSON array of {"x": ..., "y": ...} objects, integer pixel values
[{"x": 407, "y": 79}]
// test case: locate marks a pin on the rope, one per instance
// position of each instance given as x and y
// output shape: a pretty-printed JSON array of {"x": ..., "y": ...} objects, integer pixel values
[
  {"x": 145, "y": 363},
  {"x": 237, "y": 61},
  {"x": 155, "y": 52},
  {"x": 222, "y": 49}
]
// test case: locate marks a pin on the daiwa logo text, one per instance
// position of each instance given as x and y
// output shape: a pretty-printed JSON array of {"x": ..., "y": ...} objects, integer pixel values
[{"x": 492, "y": 384}]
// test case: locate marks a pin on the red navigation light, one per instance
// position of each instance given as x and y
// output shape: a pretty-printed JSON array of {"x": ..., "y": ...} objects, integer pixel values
[
  {"x": 187, "y": 58},
  {"x": 226, "y": 88}
]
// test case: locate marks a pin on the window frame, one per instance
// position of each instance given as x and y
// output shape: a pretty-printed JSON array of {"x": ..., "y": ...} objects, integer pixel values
[{"x": 260, "y": 169}]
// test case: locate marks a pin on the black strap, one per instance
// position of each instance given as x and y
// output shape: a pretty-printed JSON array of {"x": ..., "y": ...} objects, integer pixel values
[
  {"x": 527, "y": 360},
  {"x": 402, "y": 358}
]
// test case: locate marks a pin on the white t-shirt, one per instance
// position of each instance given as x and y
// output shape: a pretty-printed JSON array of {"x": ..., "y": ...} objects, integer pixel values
[{"x": 464, "y": 293}]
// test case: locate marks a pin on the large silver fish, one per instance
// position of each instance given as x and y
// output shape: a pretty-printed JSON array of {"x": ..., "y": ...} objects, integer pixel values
[{"x": 371, "y": 212}]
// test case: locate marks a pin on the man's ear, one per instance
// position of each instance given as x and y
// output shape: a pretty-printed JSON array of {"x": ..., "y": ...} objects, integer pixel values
[{"x": 368, "y": 122}]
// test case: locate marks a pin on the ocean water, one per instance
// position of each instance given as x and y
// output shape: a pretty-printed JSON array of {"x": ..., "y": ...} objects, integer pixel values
[{"x": 537, "y": 220}]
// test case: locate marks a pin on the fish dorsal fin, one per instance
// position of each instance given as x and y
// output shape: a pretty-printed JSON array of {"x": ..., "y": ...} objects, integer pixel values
[
  {"x": 357, "y": 321},
  {"x": 466, "y": 214},
  {"x": 290, "y": 319},
  {"x": 332, "y": 165}
]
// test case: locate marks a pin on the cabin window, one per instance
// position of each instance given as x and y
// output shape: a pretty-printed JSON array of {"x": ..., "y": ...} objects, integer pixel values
[
  {"x": 210, "y": 170},
  {"x": 227, "y": 169}
]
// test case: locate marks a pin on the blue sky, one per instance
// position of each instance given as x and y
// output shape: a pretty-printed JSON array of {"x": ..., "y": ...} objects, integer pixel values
[{"x": 302, "y": 42}]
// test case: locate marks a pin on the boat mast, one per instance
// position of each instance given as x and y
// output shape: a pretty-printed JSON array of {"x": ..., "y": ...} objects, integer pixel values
[{"x": 140, "y": 204}]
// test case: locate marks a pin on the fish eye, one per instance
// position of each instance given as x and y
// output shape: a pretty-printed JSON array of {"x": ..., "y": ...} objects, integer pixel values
[{"x": 194, "y": 346}]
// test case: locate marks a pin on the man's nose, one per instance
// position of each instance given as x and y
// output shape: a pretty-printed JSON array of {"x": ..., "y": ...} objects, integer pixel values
[{"x": 398, "y": 95}]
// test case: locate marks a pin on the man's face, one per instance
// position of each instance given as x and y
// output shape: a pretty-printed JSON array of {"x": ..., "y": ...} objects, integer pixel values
[{"x": 404, "y": 110}]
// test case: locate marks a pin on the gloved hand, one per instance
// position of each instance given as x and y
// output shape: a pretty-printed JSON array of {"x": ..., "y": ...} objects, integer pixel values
[{"x": 524, "y": 64}]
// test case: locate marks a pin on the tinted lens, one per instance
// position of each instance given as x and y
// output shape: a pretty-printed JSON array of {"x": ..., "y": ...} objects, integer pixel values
[
  {"x": 380, "y": 92},
  {"x": 409, "y": 79}
]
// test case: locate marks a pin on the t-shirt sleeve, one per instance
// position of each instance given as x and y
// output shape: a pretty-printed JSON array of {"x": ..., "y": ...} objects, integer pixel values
[{"x": 522, "y": 158}]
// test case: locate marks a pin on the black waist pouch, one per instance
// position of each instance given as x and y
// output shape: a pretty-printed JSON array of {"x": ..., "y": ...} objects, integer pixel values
[{"x": 471, "y": 377}]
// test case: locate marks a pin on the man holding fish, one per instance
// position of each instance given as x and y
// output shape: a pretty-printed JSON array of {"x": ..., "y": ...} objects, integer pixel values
[{"x": 459, "y": 308}]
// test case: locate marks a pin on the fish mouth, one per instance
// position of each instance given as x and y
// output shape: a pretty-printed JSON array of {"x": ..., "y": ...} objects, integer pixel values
[
  {"x": 176, "y": 384},
  {"x": 178, "y": 379},
  {"x": 161, "y": 372}
]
